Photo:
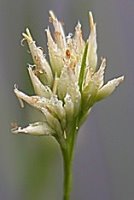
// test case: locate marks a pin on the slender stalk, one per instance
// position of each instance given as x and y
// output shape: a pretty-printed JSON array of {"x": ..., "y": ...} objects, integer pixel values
[
  {"x": 68, "y": 153},
  {"x": 67, "y": 162}
]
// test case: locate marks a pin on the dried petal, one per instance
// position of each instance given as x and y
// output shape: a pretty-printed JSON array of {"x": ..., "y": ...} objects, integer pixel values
[
  {"x": 89, "y": 95},
  {"x": 37, "y": 129},
  {"x": 56, "y": 108},
  {"x": 59, "y": 32},
  {"x": 68, "y": 85},
  {"x": 56, "y": 55},
  {"x": 53, "y": 122},
  {"x": 108, "y": 88},
  {"x": 41, "y": 63},
  {"x": 69, "y": 108},
  {"x": 35, "y": 101},
  {"x": 92, "y": 44},
  {"x": 78, "y": 42},
  {"x": 99, "y": 75},
  {"x": 39, "y": 88}
]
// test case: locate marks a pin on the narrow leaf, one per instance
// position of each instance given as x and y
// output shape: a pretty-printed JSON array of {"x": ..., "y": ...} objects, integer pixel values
[{"x": 83, "y": 66}]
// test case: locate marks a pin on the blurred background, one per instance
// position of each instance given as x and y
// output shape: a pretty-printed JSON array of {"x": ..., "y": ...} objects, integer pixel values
[{"x": 31, "y": 167}]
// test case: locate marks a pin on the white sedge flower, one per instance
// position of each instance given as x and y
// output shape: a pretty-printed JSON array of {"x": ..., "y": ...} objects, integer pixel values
[{"x": 68, "y": 85}]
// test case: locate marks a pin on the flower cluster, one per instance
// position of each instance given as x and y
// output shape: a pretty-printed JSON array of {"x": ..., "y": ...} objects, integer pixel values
[{"x": 69, "y": 84}]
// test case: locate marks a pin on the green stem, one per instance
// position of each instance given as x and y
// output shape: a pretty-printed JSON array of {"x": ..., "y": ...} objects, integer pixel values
[{"x": 68, "y": 163}]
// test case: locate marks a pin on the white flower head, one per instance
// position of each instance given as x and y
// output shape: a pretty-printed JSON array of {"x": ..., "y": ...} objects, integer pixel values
[{"x": 69, "y": 84}]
